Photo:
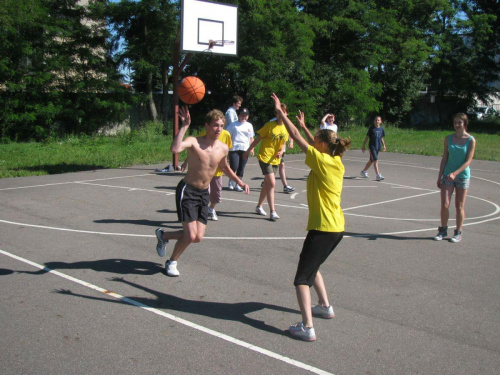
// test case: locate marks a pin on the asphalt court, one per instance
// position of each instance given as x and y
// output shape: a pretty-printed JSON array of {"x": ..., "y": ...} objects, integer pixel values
[{"x": 83, "y": 290}]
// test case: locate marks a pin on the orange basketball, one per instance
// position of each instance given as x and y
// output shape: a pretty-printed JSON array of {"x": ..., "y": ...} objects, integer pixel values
[{"x": 191, "y": 90}]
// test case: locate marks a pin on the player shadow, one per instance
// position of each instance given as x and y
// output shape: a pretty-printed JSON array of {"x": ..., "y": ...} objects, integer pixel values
[
  {"x": 148, "y": 223},
  {"x": 374, "y": 237},
  {"x": 119, "y": 266},
  {"x": 5, "y": 272},
  {"x": 240, "y": 215},
  {"x": 217, "y": 310}
]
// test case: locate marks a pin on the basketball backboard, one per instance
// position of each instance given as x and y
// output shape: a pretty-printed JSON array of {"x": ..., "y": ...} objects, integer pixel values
[{"x": 208, "y": 26}]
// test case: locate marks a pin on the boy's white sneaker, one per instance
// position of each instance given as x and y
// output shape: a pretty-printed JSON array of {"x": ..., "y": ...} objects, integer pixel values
[
  {"x": 171, "y": 268},
  {"x": 231, "y": 184},
  {"x": 379, "y": 177},
  {"x": 364, "y": 174}
]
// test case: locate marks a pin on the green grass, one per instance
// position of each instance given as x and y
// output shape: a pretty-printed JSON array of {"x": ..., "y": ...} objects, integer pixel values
[{"x": 148, "y": 146}]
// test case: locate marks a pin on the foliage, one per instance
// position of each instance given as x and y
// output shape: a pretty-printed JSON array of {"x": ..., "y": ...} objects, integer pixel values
[{"x": 55, "y": 73}]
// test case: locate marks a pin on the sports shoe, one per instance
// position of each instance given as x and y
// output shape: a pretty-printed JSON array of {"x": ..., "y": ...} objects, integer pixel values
[
  {"x": 238, "y": 188},
  {"x": 231, "y": 184},
  {"x": 274, "y": 216},
  {"x": 162, "y": 244},
  {"x": 457, "y": 237},
  {"x": 260, "y": 211},
  {"x": 212, "y": 215},
  {"x": 364, "y": 174},
  {"x": 379, "y": 177},
  {"x": 171, "y": 268},
  {"x": 288, "y": 189},
  {"x": 324, "y": 312},
  {"x": 442, "y": 232},
  {"x": 302, "y": 332}
]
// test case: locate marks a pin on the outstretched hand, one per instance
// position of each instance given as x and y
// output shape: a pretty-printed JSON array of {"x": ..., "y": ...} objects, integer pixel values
[
  {"x": 277, "y": 102},
  {"x": 301, "y": 118},
  {"x": 185, "y": 116}
]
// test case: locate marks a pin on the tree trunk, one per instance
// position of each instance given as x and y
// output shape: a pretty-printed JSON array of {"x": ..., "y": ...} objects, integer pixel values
[{"x": 153, "y": 114}]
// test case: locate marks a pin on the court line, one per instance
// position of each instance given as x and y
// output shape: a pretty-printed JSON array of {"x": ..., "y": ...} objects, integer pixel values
[
  {"x": 126, "y": 188},
  {"x": 74, "y": 182},
  {"x": 172, "y": 317}
]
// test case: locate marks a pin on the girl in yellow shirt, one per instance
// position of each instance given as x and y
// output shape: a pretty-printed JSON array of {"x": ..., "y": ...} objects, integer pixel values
[{"x": 326, "y": 221}]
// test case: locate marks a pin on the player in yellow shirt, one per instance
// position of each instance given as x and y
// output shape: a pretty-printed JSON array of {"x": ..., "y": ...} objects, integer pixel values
[
  {"x": 274, "y": 137},
  {"x": 326, "y": 221}
]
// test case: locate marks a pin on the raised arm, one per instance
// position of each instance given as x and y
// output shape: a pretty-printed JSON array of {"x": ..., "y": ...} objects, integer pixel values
[
  {"x": 302, "y": 124},
  {"x": 179, "y": 144},
  {"x": 290, "y": 127}
]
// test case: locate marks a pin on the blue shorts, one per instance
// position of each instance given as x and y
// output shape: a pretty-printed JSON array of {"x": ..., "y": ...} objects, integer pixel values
[
  {"x": 374, "y": 153},
  {"x": 459, "y": 183}
]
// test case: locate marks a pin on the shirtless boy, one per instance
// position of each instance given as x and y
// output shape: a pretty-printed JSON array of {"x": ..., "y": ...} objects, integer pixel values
[{"x": 204, "y": 155}]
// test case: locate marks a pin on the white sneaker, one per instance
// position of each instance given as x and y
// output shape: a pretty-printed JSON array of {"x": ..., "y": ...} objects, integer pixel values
[
  {"x": 274, "y": 216},
  {"x": 364, "y": 174},
  {"x": 238, "y": 188},
  {"x": 212, "y": 215},
  {"x": 161, "y": 246},
  {"x": 379, "y": 177},
  {"x": 260, "y": 211},
  {"x": 171, "y": 268},
  {"x": 302, "y": 332},
  {"x": 231, "y": 184},
  {"x": 324, "y": 312}
]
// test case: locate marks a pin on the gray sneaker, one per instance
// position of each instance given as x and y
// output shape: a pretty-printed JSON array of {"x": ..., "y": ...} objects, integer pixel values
[
  {"x": 364, "y": 174},
  {"x": 288, "y": 189},
  {"x": 161, "y": 246},
  {"x": 442, "y": 232},
  {"x": 457, "y": 237},
  {"x": 171, "y": 268},
  {"x": 302, "y": 332},
  {"x": 324, "y": 312},
  {"x": 238, "y": 188},
  {"x": 379, "y": 177}
]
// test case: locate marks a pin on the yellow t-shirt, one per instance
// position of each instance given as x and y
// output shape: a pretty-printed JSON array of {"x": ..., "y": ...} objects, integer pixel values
[
  {"x": 273, "y": 136},
  {"x": 324, "y": 188},
  {"x": 224, "y": 137}
]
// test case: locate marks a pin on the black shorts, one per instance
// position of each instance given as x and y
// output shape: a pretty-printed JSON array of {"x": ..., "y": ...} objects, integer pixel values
[
  {"x": 317, "y": 247},
  {"x": 192, "y": 203}
]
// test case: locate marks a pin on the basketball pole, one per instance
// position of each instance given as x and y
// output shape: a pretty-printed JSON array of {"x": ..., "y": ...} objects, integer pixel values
[{"x": 175, "y": 77}]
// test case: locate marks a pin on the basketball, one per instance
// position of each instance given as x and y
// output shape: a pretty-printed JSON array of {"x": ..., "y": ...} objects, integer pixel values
[{"x": 191, "y": 90}]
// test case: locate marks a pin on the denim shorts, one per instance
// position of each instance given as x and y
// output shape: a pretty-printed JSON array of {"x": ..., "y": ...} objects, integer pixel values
[{"x": 459, "y": 183}]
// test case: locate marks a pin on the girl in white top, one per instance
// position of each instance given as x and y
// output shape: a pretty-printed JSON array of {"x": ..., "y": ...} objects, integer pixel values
[
  {"x": 327, "y": 122},
  {"x": 242, "y": 134}
]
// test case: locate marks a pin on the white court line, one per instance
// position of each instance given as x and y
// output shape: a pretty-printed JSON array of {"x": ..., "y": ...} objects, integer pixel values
[
  {"x": 75, "y": 182},
  {"x": 126, "y": 188},
  {"x": 174, "y": 318},
  {"x": 389, "y": 201}
]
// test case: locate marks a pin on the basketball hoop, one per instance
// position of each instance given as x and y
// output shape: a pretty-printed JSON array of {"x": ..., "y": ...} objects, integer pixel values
[{"x": 219, "y": 43}]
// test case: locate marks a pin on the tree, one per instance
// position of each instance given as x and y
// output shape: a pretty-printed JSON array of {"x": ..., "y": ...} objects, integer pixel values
[
  {"x": 54, "y": 69},
  {"x": 464, "y": 63},
  {"x": 148, "y": 29}
]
